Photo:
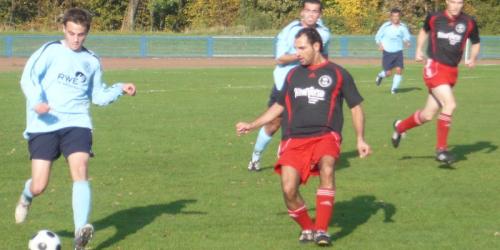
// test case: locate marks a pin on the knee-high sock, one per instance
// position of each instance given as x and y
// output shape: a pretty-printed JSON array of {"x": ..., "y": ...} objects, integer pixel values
[
  {"x": 325, "y": 201},
  {"x": 443, "y": 128},
  {"x": 27, "y": 192},
  {"x": 301, "y": 216},
  {"x": 410, "y": 122},
  {"x": 382, "y": 74},
  {"x": 261, "y": 143},
  {"x": 396, "y": 81},
  {"x": 81, "y": 203}
]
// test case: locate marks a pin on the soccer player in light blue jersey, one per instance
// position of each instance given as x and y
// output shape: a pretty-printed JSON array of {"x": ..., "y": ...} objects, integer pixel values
[
  {"x": 59, "y": 81},
  {"x": 286, "y": 59},
  {"x": 390, "y": 39}
]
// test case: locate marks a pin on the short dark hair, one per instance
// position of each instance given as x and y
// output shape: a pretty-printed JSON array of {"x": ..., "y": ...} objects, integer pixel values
[
  {"x": 78, "y": 16},
  {"x": 312, "y": 35},
  {"x": 313, "y": 2},
  {"x": 395, "y": 10}
]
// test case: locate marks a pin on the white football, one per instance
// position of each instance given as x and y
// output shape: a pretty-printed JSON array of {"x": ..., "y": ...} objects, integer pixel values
[{"x": 45, "y": 240}]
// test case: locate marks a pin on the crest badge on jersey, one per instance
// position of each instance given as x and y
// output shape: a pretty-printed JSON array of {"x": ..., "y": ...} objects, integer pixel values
[
  {"x": 325, "y": 81},
  {"x": 460, "y": 28},
  {"x": 80, "y": 78}
]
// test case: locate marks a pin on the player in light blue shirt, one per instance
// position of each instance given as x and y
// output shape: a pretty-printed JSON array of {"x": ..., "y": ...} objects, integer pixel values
[
  {"x": 59, "y": 81},
  {"x": 390, "y": 39},
  {"x": 286, "y": 59}
]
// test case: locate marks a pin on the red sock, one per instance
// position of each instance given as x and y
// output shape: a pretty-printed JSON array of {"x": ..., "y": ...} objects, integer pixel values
[
  {"x": 325, "y": 201},
  {"x": 443, "y": 127},
  {"x": 301, "y": 216},
  {"x": 410, "y": 122}
]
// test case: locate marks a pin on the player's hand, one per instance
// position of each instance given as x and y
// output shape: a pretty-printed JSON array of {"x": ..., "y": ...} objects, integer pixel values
[
  {"x": 407, "y": 44},
  {"x": 243, "y": 128},
  {"x": 363, "y": 149},
  {"x": 471, "y": 63},
  {"x": 42, "y": 108},
  {"x": 419, "y": 56},
  {"x": 381, "y": 47},
  {"x": 129, "y": 89}
]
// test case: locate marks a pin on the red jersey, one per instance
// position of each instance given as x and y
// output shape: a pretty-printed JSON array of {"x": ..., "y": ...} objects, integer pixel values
[{"x": 448, "y": 36}]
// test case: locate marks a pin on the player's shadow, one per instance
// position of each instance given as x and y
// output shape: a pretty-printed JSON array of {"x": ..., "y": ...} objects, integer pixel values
[
  {"x": 129, "y": 221},
  {"x": 343, "y": 161},
  {"x": 405, "y": 90},
  {"x": 460, "y": 152},
  {"x": 348, "y": 215}
]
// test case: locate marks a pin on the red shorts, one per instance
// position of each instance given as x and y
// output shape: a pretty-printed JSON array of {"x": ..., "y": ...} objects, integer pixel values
[
  {"x": 436, "y": 74},
  {"x": 304, "y": 154}
]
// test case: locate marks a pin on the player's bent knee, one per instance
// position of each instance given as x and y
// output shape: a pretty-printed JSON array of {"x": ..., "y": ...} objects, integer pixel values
[{"x": 271, "y": 129}]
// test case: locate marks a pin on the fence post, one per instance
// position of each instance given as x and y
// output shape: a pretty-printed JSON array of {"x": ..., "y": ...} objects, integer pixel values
[
  {"x": 210, "y": 46},
  {"x": 8, "y": 46},
  {"x": 344, "y": 46},
  {"x": 144, "y": 46}
]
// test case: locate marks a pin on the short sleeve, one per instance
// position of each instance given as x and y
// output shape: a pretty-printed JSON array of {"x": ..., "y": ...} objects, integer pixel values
[
  {"x": 427, "y": 23},
  {"x": 474, "y": 34},
  {"x": 350, "y": 91}
]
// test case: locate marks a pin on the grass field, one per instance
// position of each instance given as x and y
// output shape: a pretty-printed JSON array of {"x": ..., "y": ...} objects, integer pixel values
[{"x": 170, "y": 173}]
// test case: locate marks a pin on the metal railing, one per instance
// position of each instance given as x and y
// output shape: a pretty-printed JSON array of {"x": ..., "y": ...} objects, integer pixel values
[{"x": 210, "y": 46}]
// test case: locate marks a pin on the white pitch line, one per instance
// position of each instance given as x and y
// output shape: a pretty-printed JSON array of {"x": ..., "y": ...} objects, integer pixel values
[
  {"x": 412, "y": 79},
  {"x": 150, "y": 91},
  {"x": 248, "y": 87}
]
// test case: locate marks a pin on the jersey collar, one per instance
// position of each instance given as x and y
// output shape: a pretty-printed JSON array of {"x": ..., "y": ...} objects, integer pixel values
[{"x": 317, "y": 66}]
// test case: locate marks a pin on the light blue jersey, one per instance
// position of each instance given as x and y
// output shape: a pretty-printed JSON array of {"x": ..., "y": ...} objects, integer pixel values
[
  {"x": 392, "y": 36},
  {"x": 67, "y": 81},
  {"x": 285, "y": 44}
]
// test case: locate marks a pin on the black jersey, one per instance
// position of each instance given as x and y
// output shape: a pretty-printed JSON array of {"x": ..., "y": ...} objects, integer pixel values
[
  {"x": 313, "y": 97},
  {"x": 448, "y": 36}
]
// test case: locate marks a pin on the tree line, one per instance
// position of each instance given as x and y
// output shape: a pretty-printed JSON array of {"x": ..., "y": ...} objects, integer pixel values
[{"x": 231, "y": 16}]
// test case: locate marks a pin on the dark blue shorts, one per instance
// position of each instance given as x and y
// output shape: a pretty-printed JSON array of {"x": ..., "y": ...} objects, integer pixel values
[
  {"x": 392, "y": 60},
  {"x": 273, "y": 97},
  {"x": 49, "y": 146}
]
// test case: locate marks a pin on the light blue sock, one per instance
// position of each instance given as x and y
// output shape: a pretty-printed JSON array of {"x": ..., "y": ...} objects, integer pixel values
[
  {"x": 81, "y": 203},
  {"x": 27, "y": 192},
  {"x": 382, "y": 74},
  {"x": 396, "y": 80},
  {"x": 260, "y": 145}
]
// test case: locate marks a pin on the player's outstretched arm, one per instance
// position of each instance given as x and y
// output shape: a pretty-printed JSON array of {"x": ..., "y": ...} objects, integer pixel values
[
  {"x": 103, "y": 95},
  {"x": 358, "y": 120},
  {"x": 421, "y": 39},
  {"x": 270, "y": 114}
]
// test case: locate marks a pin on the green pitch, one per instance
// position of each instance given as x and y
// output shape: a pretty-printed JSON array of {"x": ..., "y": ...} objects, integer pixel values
[{"x": 170, "y": 173}]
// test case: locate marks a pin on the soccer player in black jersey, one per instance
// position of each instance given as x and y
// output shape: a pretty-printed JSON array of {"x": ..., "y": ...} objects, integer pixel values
[
  {"x": 447, "y": 32},
  {"x": 311, "y": 106}
]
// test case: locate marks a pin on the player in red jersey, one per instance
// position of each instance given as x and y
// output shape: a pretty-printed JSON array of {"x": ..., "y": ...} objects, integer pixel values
[
  {"x": 447, "y": 33},
  {"x": 311, "y": 106}
]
